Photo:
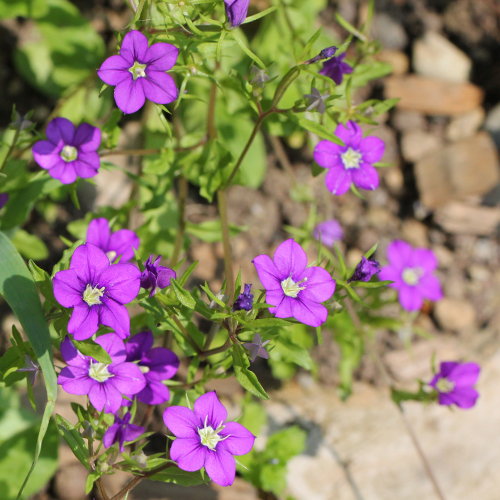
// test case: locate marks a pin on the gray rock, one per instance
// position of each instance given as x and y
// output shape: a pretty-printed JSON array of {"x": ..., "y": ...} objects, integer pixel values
[
  {"x": 405, "y": 120},
  {"x": 415, "y": 144},
  {"x": 492, "y": 124},
  {"x": 465, "y": 125},
  {"x": 462, "y": 218},
  {"x": 389, "y": 32},
  {"x": 436, "y": 57}
]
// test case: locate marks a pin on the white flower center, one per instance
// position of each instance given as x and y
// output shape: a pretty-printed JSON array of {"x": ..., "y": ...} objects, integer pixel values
[
  {"x": 92, "y": 295},
  {"x": 99, "y": 372},
  {"x": 144, "y": 369},
  {"x": 444, "y": 385},
  {"x": 111, "y": 255},
  {"x": 69, "y": 153},
  {"x": 138, "y": 70},
  {"x": 411, "y": 275},
  {"x": 351, "y": 158},
  {"x": 209, "y": 436},
  {"x": 290, "y": 288}
]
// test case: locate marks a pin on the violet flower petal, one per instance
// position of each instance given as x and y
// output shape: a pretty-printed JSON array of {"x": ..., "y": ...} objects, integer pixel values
[
  {"x": 134, "y": 46},
  {"x": 161, "y": 56},
  {"x": 209, "y": 405},
  {"x": 159, "y": 87},
  {"x": 83, "y": 322},
  {"x": 114, "y": 70},
  {"x": 129, "y": 95},
  {"x": 182, "y": 422},
  {"x": 338, "y": 181},
  {"x": 60, "y": 129},
  {"x": 220, "y": 467},
  {"x": 290, "y": 259},
  {"x": 189, "y": 454},
  {"x": 365, "y": 177},
  {"x": 239, "y": 441}
]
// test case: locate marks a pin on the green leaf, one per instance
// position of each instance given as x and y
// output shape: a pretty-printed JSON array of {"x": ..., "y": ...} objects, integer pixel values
[
  {"x": 29, "y": 245},
  {"x": 10, "y": 9},
  {"x": 19, "y": 290},
  {"x": 210, "y": 230},
  {"x": 90, "y": 348},
  {"x": 73, "y": 439},
  {"x": 285, "y": 444},
  {"x": 319, "y": 130},
  {"x": 178, "y": 476},
  {"x": 246, "y": 377},
  {"x": 184, "y": 297}
]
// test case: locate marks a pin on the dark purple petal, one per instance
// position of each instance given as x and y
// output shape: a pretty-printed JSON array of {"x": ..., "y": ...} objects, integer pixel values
[
  {"x": 240, "y": 440},
  {"x": 189, "y": 454},
  {"x": 98, "y": 233},
  {"x": 60, "y": 129},
  {"x": 87, "y": 165},
  {"x": 372, "y": 148},
  {"x": 236, "y": 11},
  {"x": 129, "y": 95},
  {"x": 87, "y": 138},
  {"x": 46, "y": 154},
  {"x": 122, "y": 282},
  {"x": 131, "y": 432},
  {"x": 114, "y": 70},
  {"x": 116, "y": 317},
  {"x": 68, "y": 288},
  {"x": 319, "y": 284},
  {"x": 114, "y": 346},
  {"x": 162, "y": 363},
  {"x": 165, "y": 275},
  {"x": 365, "y": 177},
  {"x": 134, "y": 46},
  {"x": 138, "y": 345},
  {"x": 75, "y": 380},
  {"x": 182, "y": 422},
  {"x": 123, "y": 243},
  {"x": 327, "y": 154},
  {"x": 267, "y": 272},
  {"x": 220, "y": 467},
  {"x": 72, "y": 356},
  {"x": 338, "y": 181},
  {"x": 309, "y": 312},
  {"x": 159, "y": 87},
  {"x": 155, "y": 393},
  {"x": 290, "y": 259},
  {"x": 83, "y": 322},
  {"x": 463, "y": 397},
  {"x": 128, "y": 378},
  {"x": 209, "y": 405},
  {"x": 161, "y": 56},
  {"x": 110, "y": 436}
]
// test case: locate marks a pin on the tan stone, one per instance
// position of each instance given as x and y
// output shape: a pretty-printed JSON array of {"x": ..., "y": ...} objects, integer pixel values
[
  {"x": 465, "y": 125},
  {"x": 415, "y": 144},
  {"x": 461, "y": 218},
  {"x": 468, "y": 167},
  {"x": 431, "y": 96},
  {"x": 397, "y": 59},
  {"x": 455, "y": 314}
]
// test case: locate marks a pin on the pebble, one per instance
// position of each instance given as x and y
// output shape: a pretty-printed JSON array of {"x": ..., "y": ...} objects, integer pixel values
[
  {"x": 455, "y": 314},
  {"x": 464, "y": 168},
  {"x": 398, "y": 60},
  {"x": 405, "y": 120},
  {"x": 492, "y": 124},
  {"x": 462, "y": 218},
  {"x": 465, "y": 125},
  {"x": 415, "y": 233},
  {"x": 389, "y": 32},
  {"x": 436, "y": 57},
  {"x": 432, "y": 96},
  {"x": 69, "y": 483},
  {"x": 415, "y": 144}
]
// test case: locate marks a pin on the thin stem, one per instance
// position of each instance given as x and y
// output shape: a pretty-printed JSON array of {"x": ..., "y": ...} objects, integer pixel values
[
  {"x": 145, "y": 152},
  {"x": 185, "y": 333},
  {"x": 179, "y": 237},
  {"x": 217, "y": 350},
  {"x": 226, "y": 243},
  {"x": 11, "y": 147}
]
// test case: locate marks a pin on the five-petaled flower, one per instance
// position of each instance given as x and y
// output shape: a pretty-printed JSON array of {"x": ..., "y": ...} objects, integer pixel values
[
  {"x": 104, "y": 384},
  {"x": 328, "y": 232},
  {"x": 257, "y": 348},
  {"x": 335, "y": 68},
  {"x": 97, "y": 292},
  {"x": 352, "y": 163},
  {"x": 236, "y": 11},
  {"x": 69, "y": 152},
  {"x": 155, "y": 275},
  {"x": 157, "y": 364},
  {"x": 455, "y": 382},
  {"x": 205, "y": 439},
  {"x": 121, "y": 432},
  {"x": 411, "y": 270},
  {"x": 293, "y": 289},
  {"x": 138, "y": 72},
  {"x": 119, "y": 245}
]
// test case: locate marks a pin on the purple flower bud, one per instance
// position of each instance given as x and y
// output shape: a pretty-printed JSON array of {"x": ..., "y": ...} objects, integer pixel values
[
  {"x": 155, "y": 275},
  {"x": 324, "y": 54},
  {"x": 335, "y": 68},
  {"x": 328, "y": 232},
  {"x": 365, "y": 270},
  {"x": 236, "y": 11},
  {"x": 4, "y": 198},
  {"x": 257, "y": 348},
  {"x": 244, "y": 300}
]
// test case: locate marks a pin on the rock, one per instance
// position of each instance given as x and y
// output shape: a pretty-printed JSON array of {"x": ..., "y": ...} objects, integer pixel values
[
  {"x": 465, "y": 125},
  {"x": 461, "y": 218},
  {"x": 397, "y": 59},
  {"x": 70, "y": 481},
  {"x": 389, "y": 32},
  {"x": 468, "y": 167},
  {"x": 205, "y": 254},
  {"x": 455, "y": 314},
  {"x": 415, "y": 144},
  {"x": 436, "y": 57},
  {"x": 431, "y": 96},
  {"x": 415, "y": 233},
  {"x": 492, "y": 124}
]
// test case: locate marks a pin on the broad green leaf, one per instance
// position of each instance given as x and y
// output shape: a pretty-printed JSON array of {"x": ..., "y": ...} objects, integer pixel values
[
  {"x": 73, "y": 439},
  {"x": 246, "y": 377},
  {"x": 185, "y": 298},
  {"x": 178, "y": 476},
  {"x": 90, "y": 348},
  {"x": 29, "y": 245}
]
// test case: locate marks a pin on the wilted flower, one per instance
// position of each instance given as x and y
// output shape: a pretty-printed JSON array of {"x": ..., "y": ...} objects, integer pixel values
[
  {"x": 257, "y": 348},
  {"x": 155, "y": 275},
  {"x": 259, "y": 76},
  {"x": 138, "y": 72},
  {"x": 157, "y": 364},
  {"x": 292, "y": 288},
  {"x": 205, "y": 439},
  {"x": 117, "y": 245},
  {"x": 335, "y": 68},
  {"x": 31, "y": 368},
  {"x": 455, "y": 383},
  {"x": 69, "y": 152},
  {"x": 352, "y": 163},
  {"x": 4, "y": 198},
  {"x": 236, "y": 11},
  {"x": 244, "y": 300},
  {"x": 121, "y": 431},
  {"x": 97, "y": 292},
  {"x": 365, "y": 270},
  {"x": 328, "y": 232},
  {"x": 324, "y": 54},
  {"x": 104, "y": 384},
  {"x": 411, "y": 270},
  {"x": 317, "y": 100}
]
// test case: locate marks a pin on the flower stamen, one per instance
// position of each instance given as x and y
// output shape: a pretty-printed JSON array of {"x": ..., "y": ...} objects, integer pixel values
[
  {"x": 444, "y": 385},
  {"x": 209, "y": 436},
  {"x": 99, "y": 372},
  {"x": 351, "y": 158},
  {"x": 92, "y": 295},
  {"x": 291, "y": 288},
  {"x": 69, "y": 153},
  {"x": 138, "y": 70},
  {"x": 411, "y": 275}
]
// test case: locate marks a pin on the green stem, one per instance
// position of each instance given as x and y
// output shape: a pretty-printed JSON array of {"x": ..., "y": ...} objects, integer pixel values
[
  {"x": 179, "y": 237},
  {"x": 226, "y": 243},
  {"x": 11, "y": 148}
]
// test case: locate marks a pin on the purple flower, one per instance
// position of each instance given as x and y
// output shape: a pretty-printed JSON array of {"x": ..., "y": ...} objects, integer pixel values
[
  {"x": 156, "y": 364},
  {"x": 244, "y": 300},
  {"x": 156, "y": 276},
  {"x": 292, "y": 288},
  {"x": 335, "y": 68},
  {"x": 236, "y": 11},
  {"x": 365, "y": 270},
  {"x": 138, "y": 72},
  {"x": 69, "y": 152},
  {"x": 454, "y": 383},
  {"x": 121, "y": 431},
  {"x": 328, "y": 232},
  {"x": 120, "y": 244},
  {"x": 4, "y": 198},
  {"x": 257, "y": 348},
  {"x": 103, "y": 383},
  {"x": 411, "y": 270},
  {"x": 205, "y": 439},
  {"x": 352, "y": 163},
  {"x": 97, "y": 292}
]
